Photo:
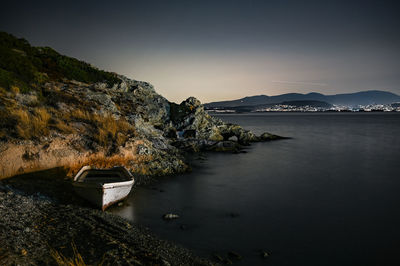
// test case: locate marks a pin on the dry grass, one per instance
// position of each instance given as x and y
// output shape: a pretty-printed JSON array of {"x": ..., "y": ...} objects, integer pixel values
[
  {"x": 110, "y": 130},
  {"x": 106, "y": 129},
  {"x": 137, "y": 163},
  {"x": 78, "y": 114},
  {"x": 61, "y": 126},
  {"x": 3, "y": 254},
  {"x": 35, "y": 122},
  {"x": 29, "y": 125},
  {"x": 100, "y": 161},
  {"x": 76, "y": 260},
  {"x": 2, "y": 91},
  {"x": 14, "y": 90},
  {"x": 32, "y": 124}
]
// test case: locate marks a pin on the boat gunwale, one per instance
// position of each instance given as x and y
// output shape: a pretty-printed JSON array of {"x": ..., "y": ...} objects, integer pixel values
[
  {"x": 103, "y": 185},
  {"x": 115, "y": 168}
]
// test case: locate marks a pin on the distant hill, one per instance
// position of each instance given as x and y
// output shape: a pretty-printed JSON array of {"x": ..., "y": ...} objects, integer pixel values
[
  {"x": 250, "y": 108},
  {"x": 350, "y": 99}
]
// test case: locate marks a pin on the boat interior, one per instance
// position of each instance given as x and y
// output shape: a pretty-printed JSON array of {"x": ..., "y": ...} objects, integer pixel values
[{"x": 103, "y": 176}]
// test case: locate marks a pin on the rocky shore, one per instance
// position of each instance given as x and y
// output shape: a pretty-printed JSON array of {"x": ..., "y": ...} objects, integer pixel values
[
  {"x": 127, "y": 124},
  {"x": 42, "y": 220}
]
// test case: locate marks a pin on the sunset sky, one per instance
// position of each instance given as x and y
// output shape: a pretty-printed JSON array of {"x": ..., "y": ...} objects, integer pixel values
[{"x": 220, "y": 50}]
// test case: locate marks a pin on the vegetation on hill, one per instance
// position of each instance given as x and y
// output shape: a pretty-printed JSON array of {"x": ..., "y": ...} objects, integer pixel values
[
  {"x": 27, "y": 67},
  {"x": 23, "y": 69}
]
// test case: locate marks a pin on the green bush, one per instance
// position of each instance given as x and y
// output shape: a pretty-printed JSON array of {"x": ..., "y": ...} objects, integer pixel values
[{"x": 29, "y": 67}]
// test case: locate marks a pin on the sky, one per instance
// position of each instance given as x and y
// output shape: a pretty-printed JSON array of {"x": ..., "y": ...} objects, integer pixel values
[{"x": 224, "y": 50}]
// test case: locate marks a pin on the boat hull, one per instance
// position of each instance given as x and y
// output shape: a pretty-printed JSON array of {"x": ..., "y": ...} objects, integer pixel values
[{"x": 103, "y": 195}]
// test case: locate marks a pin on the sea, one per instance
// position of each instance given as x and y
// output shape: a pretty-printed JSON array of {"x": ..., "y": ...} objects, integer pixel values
[{"x": 329, "y": 195}]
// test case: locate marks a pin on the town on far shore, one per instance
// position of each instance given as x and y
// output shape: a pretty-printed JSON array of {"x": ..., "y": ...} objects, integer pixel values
[{"x": 395, "y": 107}]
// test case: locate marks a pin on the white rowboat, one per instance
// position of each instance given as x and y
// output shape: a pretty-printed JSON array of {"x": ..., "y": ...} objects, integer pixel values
[{"x": 103, "y": 187}]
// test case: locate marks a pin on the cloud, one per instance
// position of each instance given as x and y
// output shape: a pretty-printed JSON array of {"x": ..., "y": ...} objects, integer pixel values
[{"x": 299, "y": 83}]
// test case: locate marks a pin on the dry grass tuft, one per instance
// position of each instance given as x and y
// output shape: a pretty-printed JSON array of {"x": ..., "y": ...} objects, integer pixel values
[
  {"x": 137, "y": 163},
  {"x": 14, "y": 89},
  {"x": 106, "y": 129},
  {"x": 109, "y": 130},
  {"x": 79, "y": 114},
  {"x": 3, "y": 254},
  {"x": 100, "y": 161},
  {"x": 29, "y": 125},
  {"x": 76, "y": 260},
  {"x": 61, "y": 126},
  {"x": 2, "y": 91}
]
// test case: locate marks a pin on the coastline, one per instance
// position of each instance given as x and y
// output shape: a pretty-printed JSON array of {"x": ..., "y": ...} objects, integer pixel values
[
  {"x": 41, "y": 218},
  {"x": 70, "y": 121}
]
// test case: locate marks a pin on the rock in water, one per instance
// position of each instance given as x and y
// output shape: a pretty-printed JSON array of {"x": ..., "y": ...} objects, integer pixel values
[
  {"x": 218, "y": 257},
  {"x": 234, "y": 255},
  {"x": 170, "y": 216},
  {"x": 264, "y": 254}
]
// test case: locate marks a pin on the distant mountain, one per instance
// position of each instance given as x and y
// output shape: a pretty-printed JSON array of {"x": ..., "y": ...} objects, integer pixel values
[{"x": 349, "y": 99}]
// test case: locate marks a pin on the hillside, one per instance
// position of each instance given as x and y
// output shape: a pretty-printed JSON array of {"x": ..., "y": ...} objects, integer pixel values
[
  {"x": 28, "y": 68},
  {"x": 58, "y": 111},
  {"x": 350, "y": 99}
]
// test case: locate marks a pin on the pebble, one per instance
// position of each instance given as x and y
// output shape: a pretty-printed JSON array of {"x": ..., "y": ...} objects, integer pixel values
[{"x": 166, "y": 263}]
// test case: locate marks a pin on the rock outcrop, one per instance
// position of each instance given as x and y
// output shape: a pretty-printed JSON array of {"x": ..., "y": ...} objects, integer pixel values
[
  {"x": 163, "y": 130},
  {"x": 199, "y": 130}
]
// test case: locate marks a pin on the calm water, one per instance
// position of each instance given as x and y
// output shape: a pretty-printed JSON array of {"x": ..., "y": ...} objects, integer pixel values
[{"x": 329, "y": 196}]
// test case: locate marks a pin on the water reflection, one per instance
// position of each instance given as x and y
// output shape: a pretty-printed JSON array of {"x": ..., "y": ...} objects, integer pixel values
[{"x": 326, "y": 197}]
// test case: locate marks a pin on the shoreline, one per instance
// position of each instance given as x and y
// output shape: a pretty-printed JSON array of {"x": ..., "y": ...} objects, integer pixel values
[{"x": 41, "y": 219}]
